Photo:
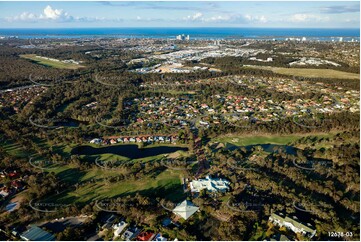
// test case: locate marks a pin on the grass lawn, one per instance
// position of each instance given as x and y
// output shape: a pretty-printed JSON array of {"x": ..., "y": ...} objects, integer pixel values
[
  {"x": 308, "y": 72},
  {"x": 14, "y": 149},
  {"x": 51, "y": 63},
  {"x": 166, "y": 184},
  {"x": 241, "y": 140}
]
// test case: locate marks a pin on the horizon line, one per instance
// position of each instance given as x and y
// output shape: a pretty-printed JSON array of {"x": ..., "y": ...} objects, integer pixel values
[{"x": 256, "y": 27}]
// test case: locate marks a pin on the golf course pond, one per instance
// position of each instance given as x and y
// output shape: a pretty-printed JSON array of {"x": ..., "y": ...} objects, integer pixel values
[{"x": 129, "y": 151}]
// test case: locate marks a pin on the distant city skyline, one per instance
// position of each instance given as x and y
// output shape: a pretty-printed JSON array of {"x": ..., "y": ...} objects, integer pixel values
[{"x": 180, "y": 14}]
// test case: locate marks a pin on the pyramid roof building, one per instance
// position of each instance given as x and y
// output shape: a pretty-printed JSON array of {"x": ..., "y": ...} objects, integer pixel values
[{"x": 185, "y": 209}]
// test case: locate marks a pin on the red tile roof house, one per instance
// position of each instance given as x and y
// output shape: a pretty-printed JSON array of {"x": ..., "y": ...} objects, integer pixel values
[
  {"x": 174, "y": 139},
  {"x": 17, "y": 185},
  {"x": 14, "y": 174},
  {"x": 145, "y": 236}
]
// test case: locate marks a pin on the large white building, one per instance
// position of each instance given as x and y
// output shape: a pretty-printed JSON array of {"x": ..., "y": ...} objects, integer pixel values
[
  {"x": 292, "y": 224},
  {"x": 212, "y": 185}
]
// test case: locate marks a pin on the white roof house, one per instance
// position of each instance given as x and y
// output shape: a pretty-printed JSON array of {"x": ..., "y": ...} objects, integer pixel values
[
  {"x": 212, "y": 185},
  {"x": 185, "y": 209},
  {"x": 96, "y": 141},
  {"x": 119, "y": 227},
  {"x": 159, "y": 237}
]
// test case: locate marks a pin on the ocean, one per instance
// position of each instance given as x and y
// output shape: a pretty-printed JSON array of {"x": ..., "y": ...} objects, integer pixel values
[{"x": 195, "y": 33}]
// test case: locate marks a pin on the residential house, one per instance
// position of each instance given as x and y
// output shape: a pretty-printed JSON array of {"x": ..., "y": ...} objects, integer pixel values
[
  {"x": 145, "y": 236},
  {"x": 109, "y": 222},
  {"x": 4, "y": 192},
  {"x": 159, "y": 237},
  {"x": 96, "y": 141},
  {"x": 166, "y": 222},
  {"x": 34, "y": 233},
  {"x": 17, "y": 184},
  {"x": 279, "y": 237},
  {"x": 130, "y": 233},
  {"x": 13, "y": 174},
  {"x": 119, "y": 227}
]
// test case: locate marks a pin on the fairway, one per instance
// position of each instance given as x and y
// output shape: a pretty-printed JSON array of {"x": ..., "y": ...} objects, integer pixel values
[
  {"x": 51, "y": 63},
  {"x": 306, "y": 72},
  {"x": 242, "y": 140},
  {"x": 166, "y": 184},
  {"x": 13, "y": 148}
]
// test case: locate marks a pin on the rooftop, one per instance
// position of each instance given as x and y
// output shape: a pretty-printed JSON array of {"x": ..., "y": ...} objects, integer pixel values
[{"x": 34, "y": 233}]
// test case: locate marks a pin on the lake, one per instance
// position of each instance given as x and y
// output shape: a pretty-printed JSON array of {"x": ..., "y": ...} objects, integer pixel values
[{"x": 129, "y": 151}]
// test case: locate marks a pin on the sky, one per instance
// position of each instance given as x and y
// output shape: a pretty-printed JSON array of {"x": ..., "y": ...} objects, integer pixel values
[{"x": 270, "y": 14}]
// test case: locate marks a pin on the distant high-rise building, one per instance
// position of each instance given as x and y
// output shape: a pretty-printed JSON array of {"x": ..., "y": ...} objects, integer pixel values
[
  {"x": 217, "y": 42},
  {"x": 183, "y": 37}
]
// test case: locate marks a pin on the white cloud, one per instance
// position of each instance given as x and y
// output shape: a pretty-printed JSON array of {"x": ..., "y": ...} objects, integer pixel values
[
  {"x": 233, "y": 19},
  {"x": 257, "y": 19},
  {"x": 48, "y": 14},
  {"x": 54, "y": 14},
  {"x": 303, "y": 18},
  {"x": 196, "y": 17},
  {"x": 217, "y": 19},
  {"x": 141, "y": 19},
  {"x": 25, "y": 16}
]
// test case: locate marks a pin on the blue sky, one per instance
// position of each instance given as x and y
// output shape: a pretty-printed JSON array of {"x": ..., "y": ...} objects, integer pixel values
[{"x": 180, "y": 14}]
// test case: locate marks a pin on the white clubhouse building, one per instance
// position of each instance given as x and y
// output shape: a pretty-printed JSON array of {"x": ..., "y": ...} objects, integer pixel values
[{"x": 212, "y": 185}]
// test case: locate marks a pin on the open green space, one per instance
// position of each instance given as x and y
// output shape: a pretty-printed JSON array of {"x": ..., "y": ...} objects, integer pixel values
[
  {"x": 161, "y": 183},
  {"x": 13, "y": 148},
  {"x": 165, "y": 184},
  {"x": 309, "y": 72},
  {"x": 56, "y": 64},
  {"x": 241, "y": 140}
]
